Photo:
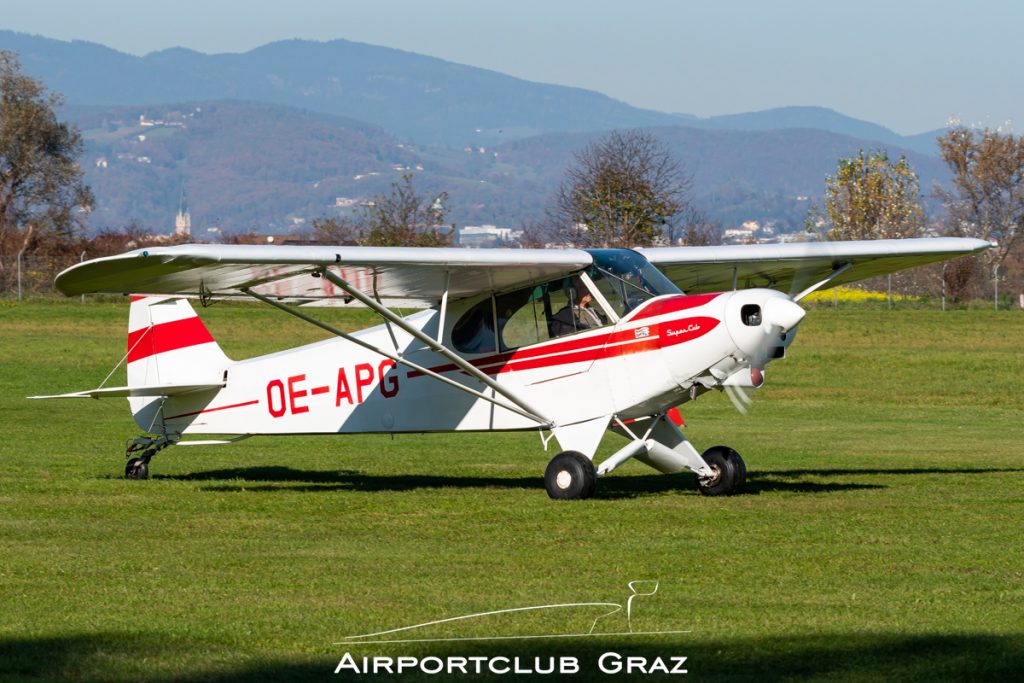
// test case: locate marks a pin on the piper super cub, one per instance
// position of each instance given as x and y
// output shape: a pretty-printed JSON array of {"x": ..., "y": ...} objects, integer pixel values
[{"x": 570, "y": 342}]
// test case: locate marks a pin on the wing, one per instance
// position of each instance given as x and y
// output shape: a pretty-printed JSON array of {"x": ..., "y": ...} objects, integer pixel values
[
  {"x": 395, "y": 274},
  {"x": 794, "y": 267}
]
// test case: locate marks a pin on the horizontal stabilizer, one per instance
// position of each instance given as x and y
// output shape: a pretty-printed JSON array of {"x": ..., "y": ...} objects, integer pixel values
[{"x": 124, "y": 392}]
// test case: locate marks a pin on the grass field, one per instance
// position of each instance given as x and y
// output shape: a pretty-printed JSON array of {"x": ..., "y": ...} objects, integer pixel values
[{"x": 880, "y": 538}]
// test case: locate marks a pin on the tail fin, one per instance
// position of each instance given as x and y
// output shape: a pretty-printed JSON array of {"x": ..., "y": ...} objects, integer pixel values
[{"x": 169, "y": 344}]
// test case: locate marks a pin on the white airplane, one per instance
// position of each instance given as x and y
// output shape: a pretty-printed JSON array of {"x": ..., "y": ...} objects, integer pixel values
[{"x": 573, "y": 343}]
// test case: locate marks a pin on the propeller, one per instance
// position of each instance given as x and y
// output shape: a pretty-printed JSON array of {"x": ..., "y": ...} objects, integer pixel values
[
  {"x": 741, "y": 385},
  {"x": 742, "y": 398}
]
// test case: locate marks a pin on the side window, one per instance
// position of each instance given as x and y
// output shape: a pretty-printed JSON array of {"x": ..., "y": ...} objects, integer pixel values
[
  {"x": 474, "y": 333},
  {"x": 622, "y": 291},
  {"x": 612, "y": 291},
  {"x": 527, "y": 316},
  {"x": 527, "y": 324}
]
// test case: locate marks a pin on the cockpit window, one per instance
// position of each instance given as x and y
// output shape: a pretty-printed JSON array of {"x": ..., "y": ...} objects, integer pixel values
[
  {"x": 529, "y": 316},
  {"x": 626, "y": 279}
]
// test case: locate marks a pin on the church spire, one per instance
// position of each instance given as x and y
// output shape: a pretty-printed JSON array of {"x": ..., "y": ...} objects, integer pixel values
[{"x": 183, "y": 221}]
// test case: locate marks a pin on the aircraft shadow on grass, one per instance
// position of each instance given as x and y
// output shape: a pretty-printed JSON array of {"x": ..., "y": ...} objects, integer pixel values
[
  {"x": 889, "y": 471},
  {"x": 283, "y": 478}
]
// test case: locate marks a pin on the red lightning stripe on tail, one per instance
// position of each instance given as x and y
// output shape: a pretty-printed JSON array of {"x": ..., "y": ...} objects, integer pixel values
[{"x": 169, "y": 336}]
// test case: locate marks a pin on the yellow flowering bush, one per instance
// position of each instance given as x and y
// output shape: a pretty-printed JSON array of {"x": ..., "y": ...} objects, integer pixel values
[{"x": 851, "y": 295}]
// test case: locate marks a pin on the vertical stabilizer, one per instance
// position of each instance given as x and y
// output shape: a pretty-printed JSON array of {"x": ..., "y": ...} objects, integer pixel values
[{"x": 168, "y": 344}]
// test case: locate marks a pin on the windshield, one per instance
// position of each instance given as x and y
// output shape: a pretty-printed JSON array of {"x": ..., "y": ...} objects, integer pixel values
[{"x": 626, "y": 279}]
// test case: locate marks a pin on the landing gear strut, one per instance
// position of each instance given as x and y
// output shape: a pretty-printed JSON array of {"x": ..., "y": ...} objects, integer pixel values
[
  {"x": 570, "y": 476},
  {"x": 730, "y": 472},
  {"x": 137, "y": 466}
]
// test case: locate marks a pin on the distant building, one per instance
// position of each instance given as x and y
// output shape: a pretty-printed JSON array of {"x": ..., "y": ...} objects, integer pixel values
[
  {"x": 486, "y": 235},
  {"x": 737, "y": 236}
]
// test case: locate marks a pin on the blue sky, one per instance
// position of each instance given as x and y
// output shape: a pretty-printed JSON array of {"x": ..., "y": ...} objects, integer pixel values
[{"x": 910, "y": 65}]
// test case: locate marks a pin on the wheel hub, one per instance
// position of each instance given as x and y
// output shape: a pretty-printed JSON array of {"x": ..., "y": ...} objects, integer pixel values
[
  {"x": 712, "y": 479},
  {"x": 563, "y": 479}
]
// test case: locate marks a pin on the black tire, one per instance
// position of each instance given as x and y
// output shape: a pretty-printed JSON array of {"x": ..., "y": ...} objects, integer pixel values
[
  {"x": 730, "y": 472},
  {"x": 137, "y": 468},
  {"x": 570, "y": 476}
]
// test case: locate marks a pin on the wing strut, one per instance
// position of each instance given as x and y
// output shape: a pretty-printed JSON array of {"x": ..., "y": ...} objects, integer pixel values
[
  {"x": 526, "y": 409},
  {"x": 444, "y": 305},
  {"x": 832, "y": 276},
  {"x": 398, "y": 359}
]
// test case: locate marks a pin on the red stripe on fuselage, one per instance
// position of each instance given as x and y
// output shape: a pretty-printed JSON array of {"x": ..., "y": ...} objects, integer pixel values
[
  {"x": 213, "y": 410},
  {"x": 675, "y": 332},
  {"x": 590, "y": 348},
  {"x": 169, "y": 336},
  {"x": 673, "y": 305},
  {"x": 592, "y": 342}
]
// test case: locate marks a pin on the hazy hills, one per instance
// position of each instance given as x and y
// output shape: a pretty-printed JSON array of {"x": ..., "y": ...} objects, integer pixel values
[
  {"x": 245, "y": 166},
  {"x": 278, "y": 134},
  {"x": 421, "y": 98}
]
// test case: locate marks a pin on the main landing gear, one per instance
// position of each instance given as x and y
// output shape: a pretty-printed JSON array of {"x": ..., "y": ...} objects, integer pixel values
[
  {"x": 729, "y": 472},
  {"x": 570, "y": 475},
  {"x": 720, "y": 471},
  {"x": 137, "y": 466}
]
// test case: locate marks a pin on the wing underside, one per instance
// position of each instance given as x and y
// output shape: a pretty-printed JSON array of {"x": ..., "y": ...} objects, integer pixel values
[
  {"x": 422, "y": 276},
  {"x": 390, "y": 274},
  {"x": 792, "y": 268}
]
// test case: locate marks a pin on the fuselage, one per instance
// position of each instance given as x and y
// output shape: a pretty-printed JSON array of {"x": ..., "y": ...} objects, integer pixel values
[{"x": 665, "y": 351}]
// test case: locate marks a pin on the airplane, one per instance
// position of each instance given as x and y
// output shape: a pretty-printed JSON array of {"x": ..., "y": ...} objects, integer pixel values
[{"x": 573, "y": 343}]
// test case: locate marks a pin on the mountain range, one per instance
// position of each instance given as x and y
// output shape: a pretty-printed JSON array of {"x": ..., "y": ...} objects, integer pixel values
[{"x": 297, "y": 129}]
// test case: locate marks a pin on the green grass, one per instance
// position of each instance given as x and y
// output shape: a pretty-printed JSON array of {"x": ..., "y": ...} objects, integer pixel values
[{"x": 880, "y": 538}]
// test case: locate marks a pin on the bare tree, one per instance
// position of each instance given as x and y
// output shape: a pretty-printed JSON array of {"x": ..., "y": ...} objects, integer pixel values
[
  {"x": 400, "y": 218},
  {"x": 870, "y": 197},
  {"x": 693, "y": 229},
  {"x": 43, "y": 199},
  {"x": 624, "y": 190},
  {"x": 535, "y": 234},
  {"x": 987, "y": 201},
  {"x": 337, "y": 231}
]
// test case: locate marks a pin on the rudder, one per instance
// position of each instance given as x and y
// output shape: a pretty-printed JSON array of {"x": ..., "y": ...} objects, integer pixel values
[{"x": 169, "y": 344}]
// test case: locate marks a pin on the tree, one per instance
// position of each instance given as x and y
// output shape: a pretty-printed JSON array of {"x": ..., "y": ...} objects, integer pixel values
[
  {"x": 987, "y": 201},
  {"x": 870, "y": 197},
  {"x": 624, "y": 190},
  {"x": 339, "y": 231},
  {"x": 399, "y": 218},
  {"x": 42, "y": 196},
  {"x": 694, "y": 230}
]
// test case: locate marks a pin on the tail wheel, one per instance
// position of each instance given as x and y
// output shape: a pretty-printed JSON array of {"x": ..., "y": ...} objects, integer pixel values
[
  {"x": 730, "y": 472},
  {"x": 137, "y": 468},
  {"x": 570, "y": 476}
]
